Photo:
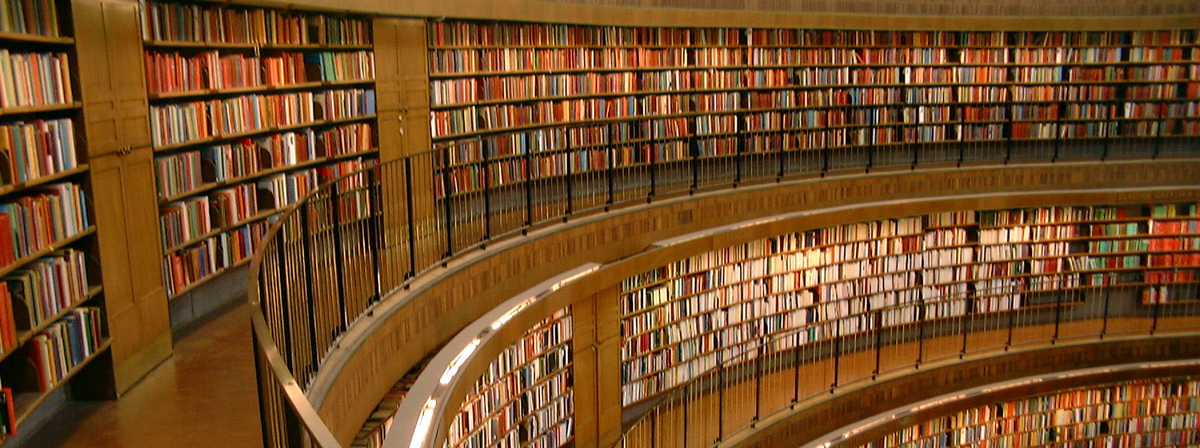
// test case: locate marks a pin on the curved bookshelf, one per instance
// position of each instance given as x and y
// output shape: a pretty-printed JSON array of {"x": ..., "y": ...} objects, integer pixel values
[{"x": 1159, "y": 412}]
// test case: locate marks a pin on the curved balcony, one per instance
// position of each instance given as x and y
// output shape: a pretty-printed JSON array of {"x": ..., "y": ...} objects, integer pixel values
[{"x": 378, "y": 269}]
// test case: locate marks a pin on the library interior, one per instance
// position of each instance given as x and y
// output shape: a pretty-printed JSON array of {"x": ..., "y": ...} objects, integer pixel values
[{"x": 599, "y": 223}]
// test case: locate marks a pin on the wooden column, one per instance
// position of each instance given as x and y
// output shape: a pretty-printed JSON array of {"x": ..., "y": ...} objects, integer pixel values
[
  {"x": 124, "y": 201},
  {"x": 597, "y": 356}
]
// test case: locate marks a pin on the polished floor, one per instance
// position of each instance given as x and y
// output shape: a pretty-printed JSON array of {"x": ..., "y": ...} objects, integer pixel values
[{"x": 203, "y": 396}]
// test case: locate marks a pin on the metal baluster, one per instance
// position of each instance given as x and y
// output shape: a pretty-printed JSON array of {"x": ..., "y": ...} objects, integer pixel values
[
  {"x": 306, "y": 246},
  {"x": 339, "y": 271}
]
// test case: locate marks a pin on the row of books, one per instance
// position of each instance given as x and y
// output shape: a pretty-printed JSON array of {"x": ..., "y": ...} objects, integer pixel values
[
  {"x": 182, "y": 123},
  {"x": 891, "y": 111},
  {"x": 524, "y": 393},
  {"x": 175, "y": 72},
  {"x": 34, "y": 79},
  {"x": 183, "y": 172},
  {"x": 1116, "y": 414},
  {"x": 199, "y": 261},
  {"x": 40, "y": 290},
  {"x": 460, "y": 33},
  {"x": 65, "y": 344},
  {"x": 38, "y": 17},
  {"x": 33, "y": 149},
  {"x": 225, "y": 24},
  {"x": 45, "y": 216},
  {"x": 862, "y": 276}
]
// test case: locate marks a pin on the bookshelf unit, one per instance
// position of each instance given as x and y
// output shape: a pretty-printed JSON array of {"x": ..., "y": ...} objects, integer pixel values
[
  {"x": 525, "y": 397},
  {"x": 594, "y": 103},
  {"x": 851, "y": 284},
  {"x": 53, "y": 322},
  {"x": 1161, "y": 412},
  {"x": 250, "y": 110}
]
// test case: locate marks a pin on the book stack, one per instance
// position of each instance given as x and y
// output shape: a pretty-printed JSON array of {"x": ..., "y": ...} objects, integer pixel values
[
  {"x": 525, "y": 397},
  {"x": 1156, "y": 412},
  {"x": 248, "y": 106}
]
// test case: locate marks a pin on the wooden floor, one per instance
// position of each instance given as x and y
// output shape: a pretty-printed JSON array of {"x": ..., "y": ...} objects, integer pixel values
[{"x": 203, "y": 396}]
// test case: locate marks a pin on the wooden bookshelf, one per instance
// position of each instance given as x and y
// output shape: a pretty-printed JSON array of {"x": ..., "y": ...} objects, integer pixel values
[
  {"x": 889, "y": 275},
  {"x": 55, "y": 310},
  {"x": 320, "y": 66},
  {"x": 491, "y": 78},
  {"x": 532, "y": 377},
  {"x": 1153, "y": 411}
]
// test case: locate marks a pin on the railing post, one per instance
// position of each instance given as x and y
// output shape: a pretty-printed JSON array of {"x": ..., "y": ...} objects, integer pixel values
[
  {"x": 758, "y": 382},
  {"x": 720, "y": 401},
  {"x": 446, "y": 198},
  {"x": 528, "y": 183},
  {"x": 796, "y": 370},
  {"x": 837, "y": 355},
  {"x": 1012, "y": 317},
  {"x": 1104, "y": 325},
  {"x": 878, "y": 341},
  {"x": 374, "y": 227},
  {"x": 412, "y": 225},
  {"x": 612, "y": 139},
  {"x": 570, "y": 176},
  {"x": 694, "y": 149},
  {"x": 781, "y": 155},
  {"x": 309, "y": 288},
  {"x": 1154, "y": 324},
  {"x": 740, "y": 149},
  {"x": 653, "y": 165},
  {"x": 1057, "y": 314},
  {"x": 284, "y": 304},
  {"x": 339, "y": 270},
  {"x": 487, "y": 193}
]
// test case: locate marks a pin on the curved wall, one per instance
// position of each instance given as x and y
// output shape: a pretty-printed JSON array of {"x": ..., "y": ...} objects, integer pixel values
[
  {"x": 1148, "y": 412},
  {"x": 367, "y": 364},
  {"x": 1008, "y": 15}
]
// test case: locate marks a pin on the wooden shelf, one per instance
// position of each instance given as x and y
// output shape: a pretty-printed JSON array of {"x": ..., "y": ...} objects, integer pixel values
[
  {"x": 24, "y": 337},
  {"x": 25, "y": 110},
  {"x": 25, "y": 403},
  {"x": 200, "y": 239},
  {"x": 36, "y": 38},
  {"x": 193, "y": 94},
  {"x": 250, "y": 46},
  {"x": 260, "y": 132},
  {"x": 202, "y": 280},
  {"x": 264, "y": 173},
  {"x": 29, "y": 184},
  {"x": 58, "y": 245}
]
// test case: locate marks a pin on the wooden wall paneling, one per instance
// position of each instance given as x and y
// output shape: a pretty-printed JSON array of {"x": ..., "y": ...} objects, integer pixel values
[
  {"x": 596, "y": 339},
  {"x": 413, "y": 54},
  {"x": 402, "y": 87},
  {"x": 475, "y": 282},
  {"x": 115, "y": 106}
]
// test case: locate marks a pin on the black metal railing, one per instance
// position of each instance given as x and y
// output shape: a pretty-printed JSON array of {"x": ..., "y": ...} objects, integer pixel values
[{"x": 340, "y": 250}]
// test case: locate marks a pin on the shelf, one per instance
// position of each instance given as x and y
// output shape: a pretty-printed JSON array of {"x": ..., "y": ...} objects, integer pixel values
[
  {"x": 250, "y": 46},
  {"x": 260, "y": 132},
  {"x": 264, "y": 173},
  {"x": 255, "y": 89},
  {"x": 208, "y": 277},
  {"x": 24, "y": 110},
  {"x": 24, "y": 337},
  {"x": 24, "y": 403},
  {"x": 58, "y": 245},
  {"x": 18, "y": 187},
  {"x": 35, "y": 38},
  {"x": 199, "y": 239}
]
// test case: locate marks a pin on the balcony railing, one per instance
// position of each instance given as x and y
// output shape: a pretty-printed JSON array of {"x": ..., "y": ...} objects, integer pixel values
[{"x": 364, "y": 235}]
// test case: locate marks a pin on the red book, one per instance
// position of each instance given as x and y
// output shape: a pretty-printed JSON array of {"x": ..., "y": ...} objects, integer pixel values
[{"x": 7, "y": 255}]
